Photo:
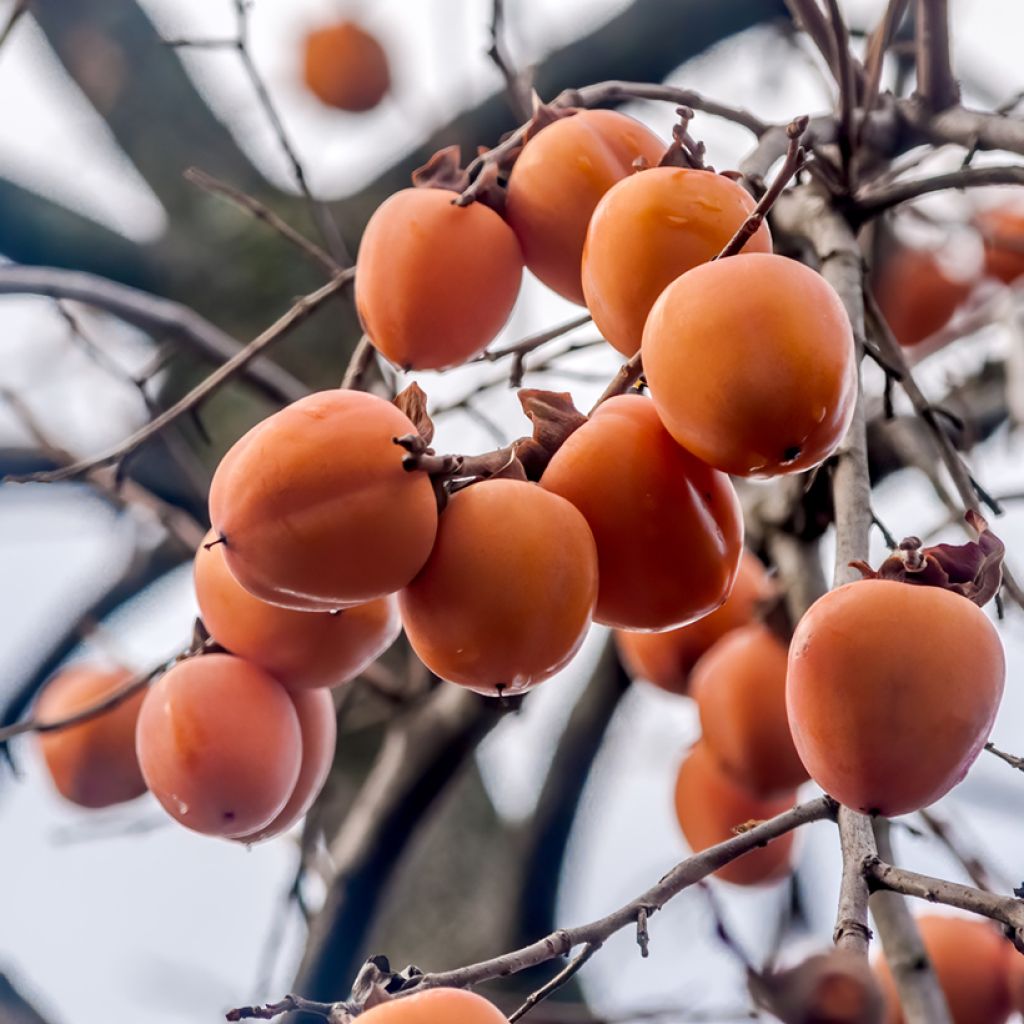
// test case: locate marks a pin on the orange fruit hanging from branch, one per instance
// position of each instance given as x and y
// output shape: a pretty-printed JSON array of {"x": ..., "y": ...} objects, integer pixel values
[{"x": 346, "y": 67}]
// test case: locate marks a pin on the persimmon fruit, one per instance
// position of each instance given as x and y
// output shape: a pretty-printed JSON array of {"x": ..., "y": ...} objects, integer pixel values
[
  {"x": 740, "y": 689},
  {"x": 435, "y": 282},
  {"x": 507, "y": 594},
  {"x": 668, "y": 528},
  {"x": 891, "y": 691},
  {"x": 346, "y": 67},
  {"x": 557, "y": 181},
  {"x": 300, "y": 649},
  {"x": 1002, "y": 230},
  {"x": 315, "y": 509},
  {"x": 220, "y": 745},
  {"x": 666, "y": 659},
  {"x": 436, "y": 1006},
  {"x": 93, "y": 763},
  {"x": 646, "y": 231},
  {"x": 710, "y": 807},
  {"x": 750, "y": 362},
  {"x": 969, "y": 958},
  {"x": 1015, "y": 978}
]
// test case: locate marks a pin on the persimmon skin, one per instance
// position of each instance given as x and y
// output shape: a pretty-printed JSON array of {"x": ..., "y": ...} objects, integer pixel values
[
  {"x": 709, "y": 807},
  {"x": 220, "y": 745},
  {"x": 346, "y": 67},
  {"x": 1002, "y": 229},
  {"x": 750, "y": 363},
  {"x": 557, "y": 181},
  {"x": 506, "y": 598},
  {"x": 646, "y": 231},
  {"x": 435, "y": 282},
  {"x": 92, "y": 764},
  {"x": 315, "y": 508},
  {"x": 891, "y": 691},
  {"x": 1015, "y": 977},
  {"x": 301, "y": 650},
  {"x": 740, "y": 689},
  {"x": 668, "y": 528},
  {"x": 436, "y": 1006},
  {"x": 318, "y": 725},
  {"x": 969, "y": 958}
]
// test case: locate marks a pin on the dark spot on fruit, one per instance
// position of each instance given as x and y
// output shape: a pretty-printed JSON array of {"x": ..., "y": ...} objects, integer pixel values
[{"x": 791, "y": 453}]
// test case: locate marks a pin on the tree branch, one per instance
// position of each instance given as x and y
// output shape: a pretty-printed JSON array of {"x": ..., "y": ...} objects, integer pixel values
[
  {"x": 935, "y": 81},
  {"x": 872, "y": 202}
]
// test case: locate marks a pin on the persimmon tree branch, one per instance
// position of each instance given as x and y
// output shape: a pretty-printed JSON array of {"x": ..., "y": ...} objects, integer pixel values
[
  {"x": 872, "y": 202},
  {"x": 935, "y": 81}
]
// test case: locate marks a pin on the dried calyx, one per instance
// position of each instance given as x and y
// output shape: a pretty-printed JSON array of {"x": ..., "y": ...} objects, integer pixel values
[
  {"x": 974, "y": 570},
  {"x": 444, "y": 170}
]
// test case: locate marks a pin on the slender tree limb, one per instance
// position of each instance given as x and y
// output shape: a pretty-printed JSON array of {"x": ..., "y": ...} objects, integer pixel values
[
  {"x": 872, "y": 202},
  {"x": 15, "y": 1007},
  {"x": 935, "y": 81},
  {"x": 1011, "y": 759},
  {"x": 561, "y": 978},
  {"x": 880, "y": 41},
  {"x": 973, "y": 865}
]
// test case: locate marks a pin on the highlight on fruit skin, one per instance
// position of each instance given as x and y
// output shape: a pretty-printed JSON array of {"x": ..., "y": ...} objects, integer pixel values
[
  {"x": 668, "y": 528},
  {"x": 750, "y": 362},
  {"x": 710, "y": 807},
  {"x": 93, "y": 763},
  {"x": 346, "y": 67},
  {"x": 435, "y": 281},
  {"x": 302, "y": 650},
  {"x": 435, "y": 1006},
  {"x": 563, "y": 171},
  {"x": 666, "y": 659},
  {"x": 220, "y": 745},
  {"x": 740, "y": 689},
  {"x": 506, "y": 597},
  {"x": 646, "y": 231},
  {"x": 313, "y": 506}
]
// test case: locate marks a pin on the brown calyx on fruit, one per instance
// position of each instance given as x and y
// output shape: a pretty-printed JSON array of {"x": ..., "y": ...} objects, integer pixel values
[
  {"x": 974, "y": 570},
  {"x": 554, "y": 418},
  {"x": 413, "y": 402},
  {"x": 444, "y": 170},
  {"x": 684, "y": 150}
]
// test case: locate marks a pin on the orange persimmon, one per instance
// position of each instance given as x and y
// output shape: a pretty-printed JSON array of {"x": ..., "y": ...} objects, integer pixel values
[
  {"x": 436, "y": 1006},
  {"x": 750, "y": 362},
  {"x": 346, "y": 67},
  {"x": 506, "y": 597},
  {"x": 668, "y": 528},
  {"x": 1002, "y": 231},
  {"x": 557, "y": 181}
]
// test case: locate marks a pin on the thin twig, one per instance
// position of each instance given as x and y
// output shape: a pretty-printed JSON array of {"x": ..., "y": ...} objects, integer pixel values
[
  {"x": 563, "y": 976},
  {"x": 847, "y": 88},
  {"x": 875, "y": 201},
  {"x": 516, "y": 85},
  {"x": 976, "y": 870},
  {"x": 880, "y": 41},
  {"x": 1011, "y": 759},
  {"x": 359, "y": 363},
  {"x": 935, "y": 82}
]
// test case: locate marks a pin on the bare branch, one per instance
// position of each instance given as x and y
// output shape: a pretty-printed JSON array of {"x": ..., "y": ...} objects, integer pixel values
[
  {"x": 976, "y": 869},
  {"x": 563, "y": 976},
  {"x": 516, "y": 84},
  {"x": 1011, "y": 759},
  {"x": 872, "y": 202},
  {"x": 359, "y": 363},
  {"x": 880, "y": 40},
  {"x": 935, "y": 82},
  {"x": 843, "y": 68}
]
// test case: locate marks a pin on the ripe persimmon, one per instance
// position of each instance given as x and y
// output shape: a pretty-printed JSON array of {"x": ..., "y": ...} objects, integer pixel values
[
  {"x": 318, "y": 726},
  {"x": 1015, "y": 977},
  {"x": 969, "y": 957},
  {"x": 1002, "y": 231},
  {"x": 710, "y": 807},
  {"x": 740, "y": 689},
  {"x": 302, "y": 650},
  {"x": 557, "y": 181},
  {"x": 93, "y": 763},
  {"x": 314, "y": 507},
  {"x": 750, "y": 362},
  {"x": 346, "y": 67},
  {"x": 892, "y": 689},
  {"x": 220, "y": 745},
  {"x": 665, "y": 659},
  {"x": 506, "y": 596},
  {"x": 646, "y": 231},
  {"x": 434, "y": 1006},
  {"x": 668, "y": 528},
  {"x": 435, "y": 282}
]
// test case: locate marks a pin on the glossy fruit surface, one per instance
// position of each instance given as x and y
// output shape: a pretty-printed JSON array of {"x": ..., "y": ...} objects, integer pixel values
[
  {"x": 315, "y": 508},
  {"x": 740, "y": 689},
  {"x": 668, "y": 528},
  {"x": 557, "y": 181},
  {"x": 710, "y": 806},
  {"x": 646, "y": 231},
  {"x": 1002, "y": 230},
  {"x": 435, "y": 282},
  {"x": 665, "y": 659},
  {"x": 436, "y": 1006},
  {"x": 92, "y": 764},
  {"x": 346, "y": 67},
  {"x": 969, "y": 956},
  {"x": 220, "y": 745},
  {"x": 506, "y": 597},
  {"x": 750, "y": 362},
  {"x": 299, "y": 649},
  {"x": 892, "y": 690},
  {"x": 1015, "y": 976}
]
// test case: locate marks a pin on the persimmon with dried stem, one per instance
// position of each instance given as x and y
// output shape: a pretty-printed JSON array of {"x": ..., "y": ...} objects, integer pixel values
[
  {"x": 711, "y": 808},
  {"x": 92, "y": 763},
  {"x": 220, "y": 745},
  {"x": 740, "y": 689},
  {"x": 435, "y": 1006},
  {"x": 750, "y": 361},
  {"x": 507, "y": 594},
  {"x": 646, "y": 231},
  {"x": 563, "y": 171},
  {"x": 435, "y": 281},
  {"x": 666, "y": 659},
  {"x": 668, "y": 528},
  {"x": 346, "y": 67},
  {"x": 314, "y": 508},
  {"x": 1002, "y": 231},
  {"x": 300, "y": 649}
]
